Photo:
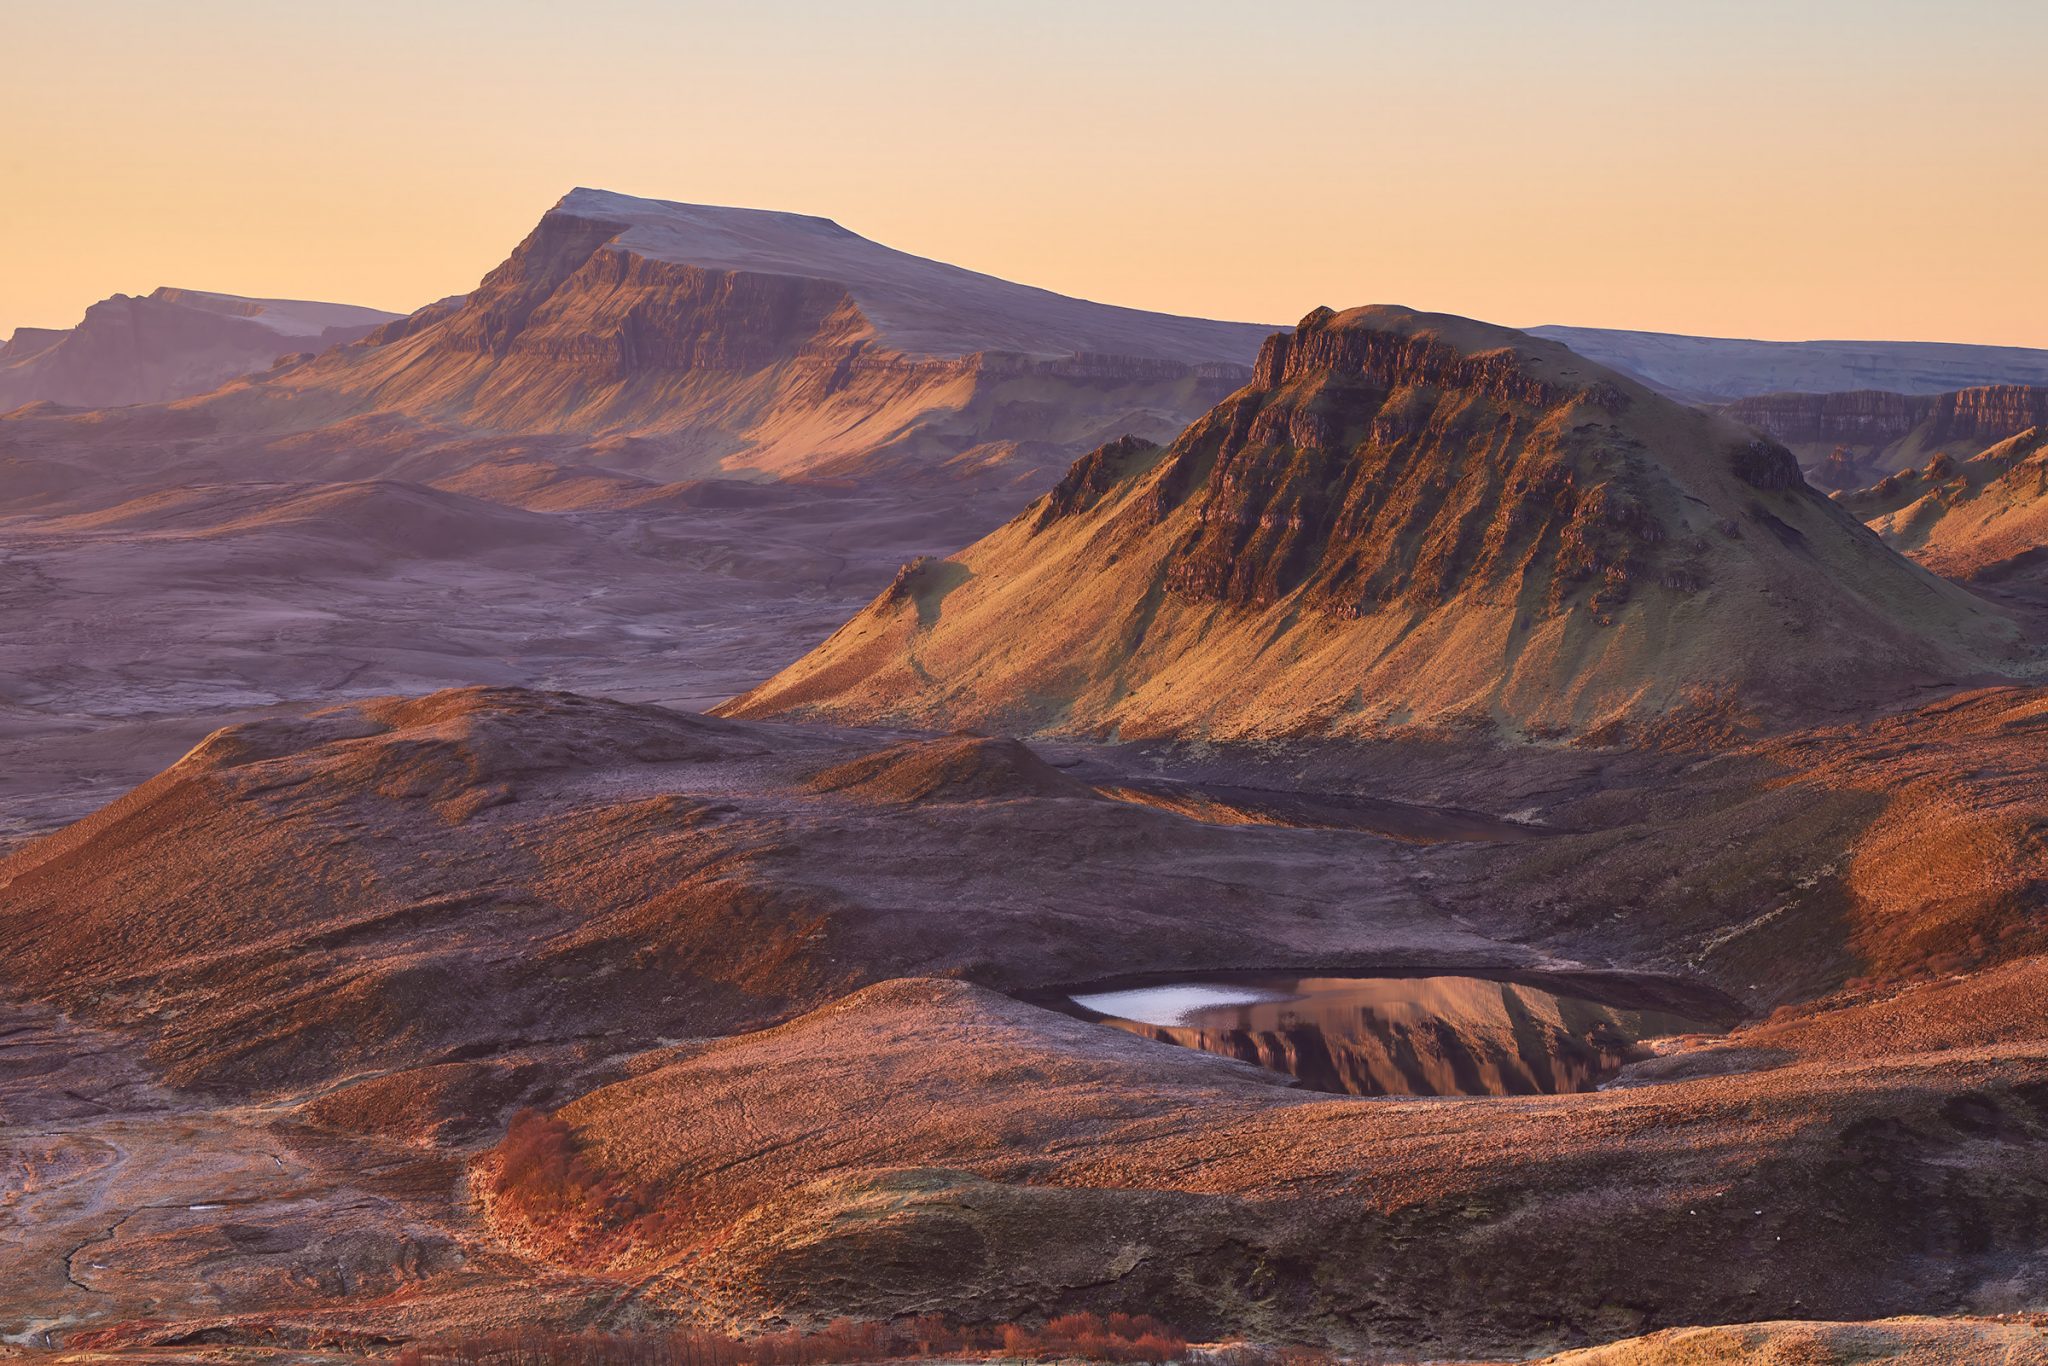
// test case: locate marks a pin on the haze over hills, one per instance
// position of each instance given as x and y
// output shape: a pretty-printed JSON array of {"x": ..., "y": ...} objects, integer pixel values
[
  {"x": 1406, "y": 518},
  {"x": 168, "y": 344},
  {"x": 1721, "y": 369}
]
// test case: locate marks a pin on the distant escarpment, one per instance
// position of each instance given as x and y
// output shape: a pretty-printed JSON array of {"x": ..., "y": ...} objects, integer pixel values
[
  {"x": 166, "y": 345},
  {"x": 1721, "y": 369},
  {"x": 1404, "y": 519},
  {"x": 1846, "y": 440},
  {"x": 725, "y": 340}
]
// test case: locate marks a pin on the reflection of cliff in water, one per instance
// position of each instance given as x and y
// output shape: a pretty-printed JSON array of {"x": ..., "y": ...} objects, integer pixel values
[{"x": 1420, "y": 1036}]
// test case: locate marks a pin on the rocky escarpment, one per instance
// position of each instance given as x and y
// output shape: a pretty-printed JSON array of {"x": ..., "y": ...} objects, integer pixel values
[
  {"x": 1407, "y": 517},
  {"x": 1411, "y": 472},
  {"x": 1848, "y": 439},
  {"x": 1094, "y": 475}
]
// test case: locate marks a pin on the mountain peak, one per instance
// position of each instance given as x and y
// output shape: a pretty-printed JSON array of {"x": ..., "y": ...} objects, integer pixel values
[
  {"x": 1444, "y": 336},
  {"x": 589, "y": 202}
]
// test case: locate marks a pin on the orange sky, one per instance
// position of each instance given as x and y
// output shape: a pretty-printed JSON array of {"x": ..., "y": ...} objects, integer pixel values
[{"x": 1811, "y": 169}]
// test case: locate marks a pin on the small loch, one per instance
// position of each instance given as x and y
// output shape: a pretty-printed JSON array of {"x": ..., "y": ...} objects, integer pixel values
[{"x": 1400, "y": 1036}]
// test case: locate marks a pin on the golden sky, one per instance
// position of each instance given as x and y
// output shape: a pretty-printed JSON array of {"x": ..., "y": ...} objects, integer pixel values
[{"x": 1728, "y": 167}]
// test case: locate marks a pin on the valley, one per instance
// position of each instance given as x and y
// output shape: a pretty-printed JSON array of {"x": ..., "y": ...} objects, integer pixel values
[{"x": 732, "y": 780}]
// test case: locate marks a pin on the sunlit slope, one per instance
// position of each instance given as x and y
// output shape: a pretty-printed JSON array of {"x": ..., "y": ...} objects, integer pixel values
[{"x": 1407, "y": 519}]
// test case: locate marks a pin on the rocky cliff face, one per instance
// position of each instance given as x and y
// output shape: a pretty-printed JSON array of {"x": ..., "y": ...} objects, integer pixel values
[
  {"x": 1456, "y": 490},
  {"x": 1407, "y": 518},
  {"x": 1851, "y": 438},
  {"x": 166, "y": 345}
]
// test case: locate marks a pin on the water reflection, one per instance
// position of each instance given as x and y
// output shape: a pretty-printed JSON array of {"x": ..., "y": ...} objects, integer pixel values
[{"x": 1398, "y": 1036}]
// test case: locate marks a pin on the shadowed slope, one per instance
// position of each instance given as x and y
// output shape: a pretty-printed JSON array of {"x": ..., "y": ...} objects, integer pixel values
[
  {"x": 394, "y": 884},
  {"x": 1026, "y": 1162},
  {"x": 395, "y": 923}
]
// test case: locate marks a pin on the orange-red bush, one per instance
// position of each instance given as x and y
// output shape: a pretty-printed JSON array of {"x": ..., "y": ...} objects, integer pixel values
[
  {"x": 543, "y": 1174},
  {"x": 1120, "y": 1337}
]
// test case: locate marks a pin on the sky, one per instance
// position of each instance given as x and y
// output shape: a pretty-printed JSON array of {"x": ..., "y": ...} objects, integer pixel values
[{"x": 1790, "y": 170}]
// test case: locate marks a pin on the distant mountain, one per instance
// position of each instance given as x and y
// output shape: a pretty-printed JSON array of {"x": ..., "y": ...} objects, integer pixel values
[
  {"x": 166, "y": 345},
  {"x": 1406, "y": 518},
  {"x": 1848, "y": 440},
  {"x": 1718, "y": 369},
  {"x": 774, "y": 343}
]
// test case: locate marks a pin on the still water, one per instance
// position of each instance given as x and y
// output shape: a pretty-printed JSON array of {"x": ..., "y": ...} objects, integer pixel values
[{"x": 1398, "y": 1036}]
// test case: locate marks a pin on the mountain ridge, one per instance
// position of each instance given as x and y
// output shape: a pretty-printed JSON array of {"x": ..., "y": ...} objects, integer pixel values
[
  {"x": 1405, "y": 518},
  {"x": 1722, "y": 369}
]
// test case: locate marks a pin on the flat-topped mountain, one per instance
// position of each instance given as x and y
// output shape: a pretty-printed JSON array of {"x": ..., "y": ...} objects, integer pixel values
[
  {"x": 1720, "y": 369},
  {"x": 168, "y": 344},
  {"x": 914, "y": 305},
  {"x": 1406, "y": 518},
  {"x": 774, "y": 343}
]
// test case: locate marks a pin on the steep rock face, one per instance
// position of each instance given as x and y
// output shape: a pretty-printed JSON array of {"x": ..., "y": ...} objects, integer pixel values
[
  {"x": 167, "y": 345},
  {"x": 1451, "y": 492},
  {"x": 1093, "y": 475},
  {"x": 1849, "y": 439},
  {"x": 1403, "y": 518}
]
